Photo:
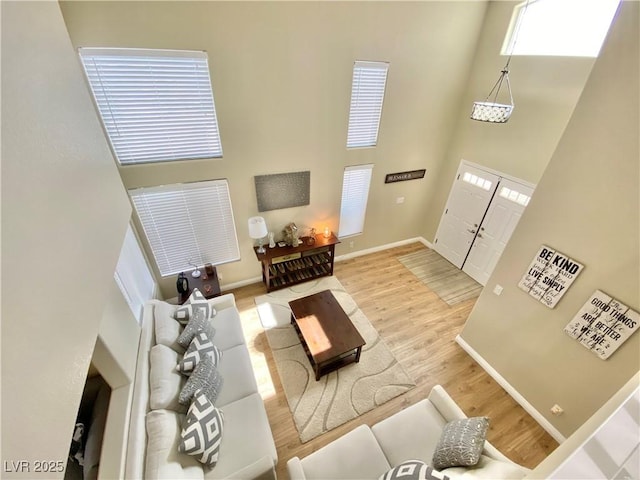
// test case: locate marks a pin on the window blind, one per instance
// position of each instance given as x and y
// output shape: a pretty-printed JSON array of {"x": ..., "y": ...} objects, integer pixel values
[
  {"x": 367, "y": 94},
  {"x": 353, "y": 207},
  {"x": 133, "y": 275},
  {"x": 155, "y": 105},
  {"x": 188, "y": 224}
]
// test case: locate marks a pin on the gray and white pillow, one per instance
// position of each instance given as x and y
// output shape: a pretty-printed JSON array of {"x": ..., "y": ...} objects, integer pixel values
[
  {"x": 196, "y": 301},
  {"x": 197, "y": 323},
  {"x": 200, "y": 346},
  {"x": 461, "y": 443},
  {"x": 202, "y": 431},
  {"x": 204, "y": 377},
  {"x": 413, "y": 470}
]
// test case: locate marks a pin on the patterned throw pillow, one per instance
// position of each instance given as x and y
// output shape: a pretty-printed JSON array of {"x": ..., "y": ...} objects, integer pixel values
[
  {"x": 200, "y": 346},
  {"x": 197, "y": 323},
  {"x": 202, "y": 431},
  {"x": 413, "y": 470},
  {"x": 461, "y": 443},
  {"x": 196, "y": 301},
  {"x": 204, "y": 377}
]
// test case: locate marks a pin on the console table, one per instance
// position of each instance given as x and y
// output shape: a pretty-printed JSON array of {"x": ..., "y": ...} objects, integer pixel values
[{"x": 286, "y": 266}]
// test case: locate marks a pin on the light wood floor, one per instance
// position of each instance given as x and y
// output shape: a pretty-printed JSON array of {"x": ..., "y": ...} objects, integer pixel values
[{"x": 420, "y": 330}]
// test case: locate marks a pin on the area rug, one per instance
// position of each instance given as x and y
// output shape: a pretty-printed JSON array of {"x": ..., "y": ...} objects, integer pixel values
[
  {"x": 448, "y": 282},
  {"x": 319, "y": 406}
]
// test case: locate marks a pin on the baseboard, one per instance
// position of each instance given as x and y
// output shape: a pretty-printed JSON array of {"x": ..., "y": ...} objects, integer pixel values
[
  {"x": 242, "y": 283},
  {"x": 537, "y": 416},
  {"x": 339, "y": 258},
  {"x": 380, "y": 248}
]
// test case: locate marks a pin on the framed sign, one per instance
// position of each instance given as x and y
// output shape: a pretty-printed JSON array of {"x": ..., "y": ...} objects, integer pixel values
[
  {"x": 549, "y": 276},
  {"x": 603, "y": 324},
  {"x": 404, "y": 176}
]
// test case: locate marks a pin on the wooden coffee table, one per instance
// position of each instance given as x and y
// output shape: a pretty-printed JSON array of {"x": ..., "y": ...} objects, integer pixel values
[{"x": 329, "y": 338}]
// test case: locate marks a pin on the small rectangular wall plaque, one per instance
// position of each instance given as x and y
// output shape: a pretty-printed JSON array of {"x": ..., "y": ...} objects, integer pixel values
[
  {"x": 603, "y": 324},
  {"x": 404, "y": 176},
  {"x": 282, "y": 190}
]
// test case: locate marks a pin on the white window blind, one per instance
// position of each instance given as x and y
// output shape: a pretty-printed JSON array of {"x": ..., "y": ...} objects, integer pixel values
[
  {"x": 355, "y": 191},
  {"x": 367, "y": 94},
  {"x": 188, "y": 224},
  {"x": 155, "y": 105},
  {"x": 133, "y": 275}
]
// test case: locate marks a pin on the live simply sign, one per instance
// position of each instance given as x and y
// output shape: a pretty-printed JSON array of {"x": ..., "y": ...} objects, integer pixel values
[{"x": 549, "y": 276}]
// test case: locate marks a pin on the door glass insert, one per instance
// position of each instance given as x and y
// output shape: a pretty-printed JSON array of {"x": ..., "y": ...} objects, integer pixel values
[
  {"x": 477, "y": 181},
  {"x": 515, "y": 196}
]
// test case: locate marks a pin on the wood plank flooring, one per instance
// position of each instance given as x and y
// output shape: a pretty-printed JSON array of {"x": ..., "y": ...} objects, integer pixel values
[{"x": 420, "y": 330}]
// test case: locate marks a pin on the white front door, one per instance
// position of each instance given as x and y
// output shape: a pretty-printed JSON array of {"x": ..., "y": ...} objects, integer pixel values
[
  {"x": 468, "y": 201},
  {"x": 495, "y": 230}
]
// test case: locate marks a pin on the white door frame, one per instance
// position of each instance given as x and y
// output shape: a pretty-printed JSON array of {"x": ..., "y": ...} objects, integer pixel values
[
  {"x": 491, "y": 171},
  {"x": 499, "y": 173}
]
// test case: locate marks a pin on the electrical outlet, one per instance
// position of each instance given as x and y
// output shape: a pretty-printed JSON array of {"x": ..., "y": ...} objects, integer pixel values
[
  {"x": 400, "y": 200},
  {"x": 557, "y": 409},
  {"x": 497, "y": 289}
]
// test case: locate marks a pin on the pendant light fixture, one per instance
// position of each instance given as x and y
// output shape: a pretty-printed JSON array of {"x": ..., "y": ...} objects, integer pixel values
[{"x": 490, "y": 110}]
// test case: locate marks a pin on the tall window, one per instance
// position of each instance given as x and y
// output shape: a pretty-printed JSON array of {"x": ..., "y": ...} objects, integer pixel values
[
  {"x": 367, "y": 94},
  {"x": 133, "y": 275},
  {"x": 572, "y": 28},
  {"x": 155, "y": 105},
  {"x": 355, "y": 192},
  {"x": 188, "y": 225}
]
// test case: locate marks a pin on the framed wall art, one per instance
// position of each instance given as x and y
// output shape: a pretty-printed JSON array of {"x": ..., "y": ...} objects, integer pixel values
[
  {"x": 603, "y": 324},
  {"x": 549, "y": 276}
]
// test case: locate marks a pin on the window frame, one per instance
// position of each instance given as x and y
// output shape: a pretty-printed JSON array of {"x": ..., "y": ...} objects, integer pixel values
[
  {"x": 514, "y": 36},
  {"x": 133, "y": 275},
  {"x": 155, "y": 105},
  {"x": 368, "y": 89},
  {"x": 355, "y": 196},
  {"x": 194, "y": 220}
]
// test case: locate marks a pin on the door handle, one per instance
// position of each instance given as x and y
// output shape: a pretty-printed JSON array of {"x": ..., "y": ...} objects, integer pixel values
[
  {"x": 471, "y": 231},
  {"x": 479, "y": 235}
]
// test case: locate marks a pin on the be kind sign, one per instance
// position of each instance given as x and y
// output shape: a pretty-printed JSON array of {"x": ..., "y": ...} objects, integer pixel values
[
  {"x": 549, "y": 276},
  {"x": 603, "y": 324}
]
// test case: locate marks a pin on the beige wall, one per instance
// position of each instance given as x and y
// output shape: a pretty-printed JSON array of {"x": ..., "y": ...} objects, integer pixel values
[
  {"x": 586, "y": 206},
  {"x": 64, "y": 214},
  {"x": 281, "y": 73}
]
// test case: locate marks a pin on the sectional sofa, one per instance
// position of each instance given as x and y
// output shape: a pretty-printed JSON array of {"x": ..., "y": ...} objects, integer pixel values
[
  {"x": 247, "y": 449},
  {"x": 411, "y": 434}
]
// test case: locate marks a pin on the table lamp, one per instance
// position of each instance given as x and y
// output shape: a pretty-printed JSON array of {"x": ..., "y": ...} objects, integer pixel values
[{"x": 257, "y": 231}]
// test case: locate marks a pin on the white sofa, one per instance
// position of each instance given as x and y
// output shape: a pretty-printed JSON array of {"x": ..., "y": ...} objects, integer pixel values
[
  {"x": 411, "y": 434},
  {"x": 247, "y": 451}
]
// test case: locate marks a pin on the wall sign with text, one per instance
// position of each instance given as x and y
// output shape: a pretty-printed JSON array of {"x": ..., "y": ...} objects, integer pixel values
[
  {"x": 549, "y": 276},
  {"x": 603, "y": 324},
  {"x": 404, "y": 176}
]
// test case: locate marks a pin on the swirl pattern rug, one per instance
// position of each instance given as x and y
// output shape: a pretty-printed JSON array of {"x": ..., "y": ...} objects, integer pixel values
[{"x": 340, "y": 396}]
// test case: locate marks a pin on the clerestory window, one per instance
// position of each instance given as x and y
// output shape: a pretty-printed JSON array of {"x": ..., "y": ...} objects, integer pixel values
[
  {"x": 367, "y": 94},
  {"x": 572, "y": 28},
  {"x": 155, "y": 105}
]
